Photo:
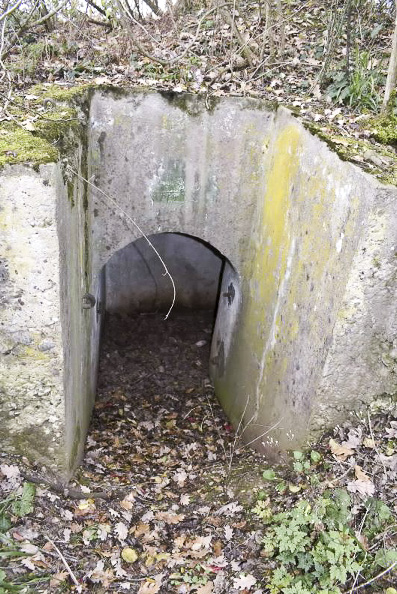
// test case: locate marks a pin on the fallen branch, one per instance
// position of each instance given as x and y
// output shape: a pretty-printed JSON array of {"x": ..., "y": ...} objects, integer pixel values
[
  {"x": 372, "y": 580},
  {"x": 29, "y": 25},
  {"x": 98, "y": 8},
  {"x": 66, "y": 564},
  {"x": 10, "y": 10},
  {"x": 245, "y": 50}
]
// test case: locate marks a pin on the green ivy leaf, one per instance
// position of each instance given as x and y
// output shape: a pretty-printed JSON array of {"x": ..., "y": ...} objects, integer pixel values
[
  {"x": 386, "y": 557},
  {"x": 298, "y": 455},
  {"x": 298, "y": 466},
  {"x": 24, "y": 505},
  {"x": 315, "y": 457},
  {"x": 5, "y": 523}
]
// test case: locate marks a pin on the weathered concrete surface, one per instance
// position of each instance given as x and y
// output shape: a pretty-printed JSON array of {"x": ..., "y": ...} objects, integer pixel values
[
  {"x": 135, "y": 280},
  {"x": 163, "y": 160},
  {"x": 31, "y": 354},
  {"x": 317, "y": 307},
  {"x": 306, "y": 321},
  {"x": 81, "y": 323}
]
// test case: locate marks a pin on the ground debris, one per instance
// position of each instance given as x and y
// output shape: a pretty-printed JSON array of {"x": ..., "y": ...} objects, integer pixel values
[
  {"x": 151, "y": 508},
  {"x": 187, "y": 508}
]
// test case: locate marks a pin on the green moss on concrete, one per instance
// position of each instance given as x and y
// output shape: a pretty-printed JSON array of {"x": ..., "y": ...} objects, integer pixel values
[
  {"x": 353, "y": 151},
  {"x": 58, "y": 94},
  {"x": 193, "y": 105},
  {"x": 51, "y": 125},
  {"x": 21, "y": 146},
  {"x": 70, "y": 190}
]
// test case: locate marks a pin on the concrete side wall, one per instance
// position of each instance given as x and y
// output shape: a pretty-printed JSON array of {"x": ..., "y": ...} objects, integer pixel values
[
  {"x": 81, "y": 310},
  {"x": 309, "y": 230},
  {"x": 31, "y": 357},
  {"x": 135, "y": 278},
  {"x": 361, "y": 363}
]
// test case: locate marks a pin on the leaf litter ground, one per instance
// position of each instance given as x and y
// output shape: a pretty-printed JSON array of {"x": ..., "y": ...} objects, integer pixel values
[
  {"x": 163, "y": 499},
  {"x": 160, "y": 442}
]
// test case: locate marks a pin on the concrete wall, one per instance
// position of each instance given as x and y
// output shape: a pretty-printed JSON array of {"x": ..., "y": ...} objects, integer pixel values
[
  {"x": 31, "y": 352},
  {"x": 135, "y": 280},
  {"x": 81, "y": 318},
  {"x": 317, "y": 308},
  {"x": 306, "y": 324}
]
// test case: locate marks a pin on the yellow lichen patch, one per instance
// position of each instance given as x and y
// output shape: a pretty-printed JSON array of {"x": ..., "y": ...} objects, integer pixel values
[
  {"x": 267, "y": 277},
  {"x": 28, "y": 352},
  {"x": 272, "y": 242}
]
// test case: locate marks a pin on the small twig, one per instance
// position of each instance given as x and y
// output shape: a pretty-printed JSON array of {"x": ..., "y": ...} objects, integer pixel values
[
  {"x": 46, "y": 16},
  {"x": 98, "y": 8},
  {"x": 375, "y": 448},
  {"x": 246, "y": 445},
  {"x": 66, "y": 564},
  {"x": 358, "y": 533},
  {"x": 10, "y": 10},
  {"x": 135, "y": 224},
  {"x": 245, "y": 50},
  {"x": 27, "y": 25},
  {"x": 75, "y": 493},
  {"x": 338, "y": 478},
  {"x": 381, "y": 574}
]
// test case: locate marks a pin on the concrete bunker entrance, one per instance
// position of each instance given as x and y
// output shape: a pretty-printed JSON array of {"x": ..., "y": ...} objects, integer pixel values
[
  {"x": 304, "y": 333},
  {"x": 148, "y": 360}
]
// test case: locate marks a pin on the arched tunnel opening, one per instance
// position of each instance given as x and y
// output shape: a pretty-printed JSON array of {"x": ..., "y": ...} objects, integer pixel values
[
  {"x": 135, "y": 280},
  {"x": 154, "y": 393}
]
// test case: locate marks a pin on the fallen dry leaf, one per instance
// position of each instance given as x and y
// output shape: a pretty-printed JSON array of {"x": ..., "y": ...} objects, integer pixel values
[
  {"x": 170, "y": 517},
  {"x": 366, "y": 488},
  {"x": 368, "y": 442},
  {"x": 217, "y": 546},
  {"x": 244, "y": 582},
  {"x": 127, "y": 503},
  {"x": 141, "y": 528},
  {"x": 360, "y": 474},
  {"x": 206, "y": 589},
  {"x": 58, "y": 578},
  {"x": 149, "y": 587},
  {"x": 121, "y": 530},
  {"x": 339, "y": 451},
  {"x": 354, "y": 439},
  {"x": 392, "y": 432}
]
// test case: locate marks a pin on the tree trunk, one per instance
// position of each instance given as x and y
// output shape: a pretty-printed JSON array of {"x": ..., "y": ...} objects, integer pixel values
[{"x": 392, "y": 71}]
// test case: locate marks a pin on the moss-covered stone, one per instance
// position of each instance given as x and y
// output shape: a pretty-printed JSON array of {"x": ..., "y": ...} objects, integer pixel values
[
  {"x": 356, "y": 151},
  {"x": 50, "y": 125},
  {"x": 384, "y": 129},
  {"x": 21, "y": 146}
]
